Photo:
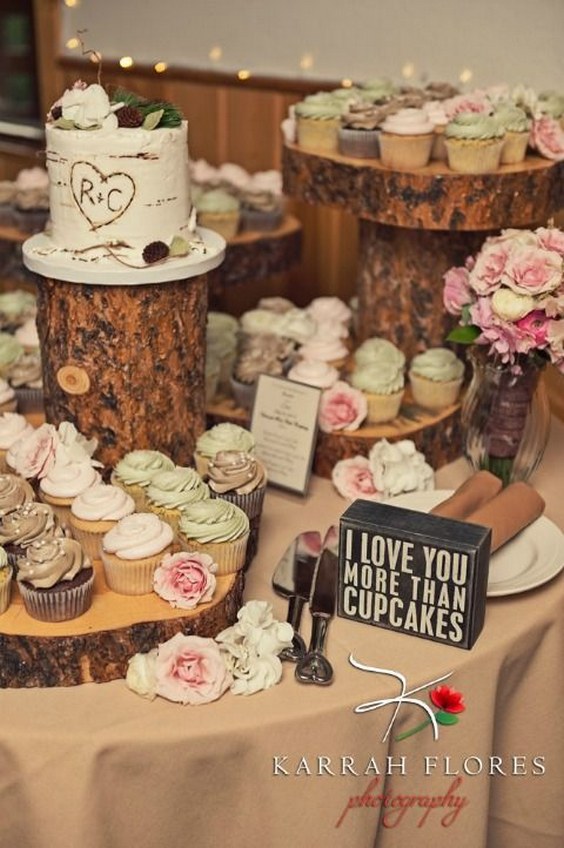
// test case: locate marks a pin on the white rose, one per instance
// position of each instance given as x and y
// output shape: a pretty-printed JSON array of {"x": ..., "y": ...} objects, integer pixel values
[
  {"x": 86, "y": 107},
  {"x": 510, "y": 306},
  {"x": 141, "y": 674},
  {"x": 259, "y": 673},
  {"x": 398, "y": 468}
]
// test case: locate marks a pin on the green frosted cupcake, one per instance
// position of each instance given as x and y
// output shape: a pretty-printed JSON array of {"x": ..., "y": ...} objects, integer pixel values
[
  {"x": 217, "y": 528},
  {"x": 135, "y": 471},
  {"x": 171, "y": 492}
]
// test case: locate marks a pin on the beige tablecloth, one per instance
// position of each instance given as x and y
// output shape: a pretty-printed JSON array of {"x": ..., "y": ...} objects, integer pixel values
[{"x": 98, "y": 767}]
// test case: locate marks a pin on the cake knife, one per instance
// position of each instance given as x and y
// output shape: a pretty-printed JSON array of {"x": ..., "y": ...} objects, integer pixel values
[
  {"x": 292, "y": 579},
  {"x": 314, "y": 667}
]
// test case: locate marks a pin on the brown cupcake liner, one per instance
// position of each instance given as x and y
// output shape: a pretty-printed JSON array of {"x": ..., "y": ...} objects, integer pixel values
[
  {"x": 29, "y": 400},
  {"x": 359, "y": 144},
  {"x": 61, "y": 604},
  {"x": 251, "y": 503}
]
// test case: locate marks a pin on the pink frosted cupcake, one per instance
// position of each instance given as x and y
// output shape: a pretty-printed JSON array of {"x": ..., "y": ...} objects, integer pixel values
[
  {"x": 132, "y": 550},
  {"x": 95, "y": 511},
  {"x": 406, "y": 140}
]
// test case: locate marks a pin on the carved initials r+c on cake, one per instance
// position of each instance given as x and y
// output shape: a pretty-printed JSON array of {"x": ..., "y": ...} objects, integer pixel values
[{"x": 101, "y": 198}]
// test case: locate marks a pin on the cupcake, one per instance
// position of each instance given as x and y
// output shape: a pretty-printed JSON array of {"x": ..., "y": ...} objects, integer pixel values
[
  {"x": 436, "y": 377},
  {"x": 318, "y": 119},
  {"x": 14, "y": 493},
  {"x": 435, "y": 111},
  {"x": 221, "y": 345},
  {"x": 16, "y": 307},
  {"x": 6, "y": 574},
  {"x": 55, "y": 579},
  {"x": 474, "y": 142},
  {"x": 13, "y": 429},
  {"x": 28, "y": 336},
  {"x": 63, "y": 482},
  {"x": 10, "y": 352},
  {"x": 261, "y": 211},
  {"x": 25, "y": 376},
  {"x": 219, "y": 210},
  {"x": 359, "y": 132},
  {"x": 406, "y": 140},
  {"x": 8, "y": 402},
  {"x": 377, "y": 90},
  {"x": 375, "y": 350},
  {"x": 251, "y": 364},
  {"x": 224, "y": 436},
  {"x": 330, "y": 309},
  {"x": 240, "y": 478},
  {"x": 94, "y": 512},
  {"x": 276, "y": 304},
  {"x": 31, "y": 522},
  {"x": 218, "y": 528},
  {"x": 383, "y": 384},
  {"x": 135, "y": 471},
  {"x": 517, "y": 128},
  {"x": 314, "y": 373},
  {"x": 7, "y": 195},
  {"x": 326, "y": 345},
  {"x": 31, "y": 201},
  {"x": 132, "y": 550},
  {"x": 169, "y": 492}
]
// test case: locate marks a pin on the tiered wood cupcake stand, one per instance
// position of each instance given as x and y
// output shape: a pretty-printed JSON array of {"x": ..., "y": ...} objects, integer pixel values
[
  {"x": 414, "y": 225},
  {"x": 123, "y": 357}
]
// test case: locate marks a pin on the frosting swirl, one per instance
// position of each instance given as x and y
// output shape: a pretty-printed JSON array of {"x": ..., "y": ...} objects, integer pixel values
[
  {"x": 225, "y": 436},
  {"x": 235, "y": 471},
  {"x": 213, "y": 521},
  {"x": 438, "y": 364},
  {"x": 177, "y": 489},
  {"x": 474, "y": 126},
  {"x": 323, "y": 309},
  {"x": 69, "y": 480},
  {"x": 382, "y": 378},
  {"x": 376, "y": 350},
  {"x": 14, "y": 492},
  {"x": 29, "y": 523},
  {"x": 408, "y": 122},
  {"x": 323, "y": 349},
  {"x": 102, "y": 503},
  {"x": 138, "y": 467},
  {"x": 314, "y": 373},
  {"x": 51, "y": 561},
  {"x": 137, "y": 536},
  {"x": 13, "y": 427}
]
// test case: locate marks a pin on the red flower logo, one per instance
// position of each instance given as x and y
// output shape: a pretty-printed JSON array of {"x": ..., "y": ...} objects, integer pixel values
[{"x": 447, "y": 699}]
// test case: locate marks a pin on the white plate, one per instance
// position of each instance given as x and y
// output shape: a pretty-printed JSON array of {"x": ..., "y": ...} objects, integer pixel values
[{"x": 534, "y": 557}]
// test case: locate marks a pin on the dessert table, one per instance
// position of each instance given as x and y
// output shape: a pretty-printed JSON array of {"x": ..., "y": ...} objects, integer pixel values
[{"x": 99, "y": 767}]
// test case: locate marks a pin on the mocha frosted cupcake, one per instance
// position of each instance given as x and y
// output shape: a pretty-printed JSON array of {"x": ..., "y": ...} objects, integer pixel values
[
  {"x": 261, "y": 211},
  {"x": 474, "y": 142},
  {"x": 95, "y": 511},
  {"x": 55, "y": 579},
  {"x": 436, "y": 377},
  {"x": 359, "y": 132},
  {"x": 406, "y": 140},
  {"x": 29, "y": 523},
  {"x": 218, "y": 528},
  {"x": 170, "y": 492},
  {"x": 135, "y": 471},
  {"x": 64, "y": 482},
  {"x": 241, "y": 479},
  {"x": 14, "y": 493},
  {"x": 250, "y": 365},
  {"x": 224, "y": 436},
  {"x": 132, "y": 550},
  {"x": 6, "y": 574}
]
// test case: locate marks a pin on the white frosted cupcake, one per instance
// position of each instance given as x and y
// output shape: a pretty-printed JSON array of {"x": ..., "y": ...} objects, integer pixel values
[
  {"x": 8, "y": 401},
  {"x": 135, "y": 471},
  {"x": 132, "y": 550},
  {"x": 406, "y": 140},
  {"x": 64, "y": 482},
  {"x": 95, "y": 511},
  {"x": 330, "y": 309},
  {"x": 436, "y": 377},
  {"x": 13, "y": 428},
  {"x": 224, "y": 436},
  {"x": 218, "y": 528},
  {"x": 314, "y": 373}
]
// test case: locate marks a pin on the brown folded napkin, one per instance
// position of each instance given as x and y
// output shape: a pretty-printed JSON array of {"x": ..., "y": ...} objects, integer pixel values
[
  {"x": 512, "y": 510},
  {"x": 470, "y": 496}
]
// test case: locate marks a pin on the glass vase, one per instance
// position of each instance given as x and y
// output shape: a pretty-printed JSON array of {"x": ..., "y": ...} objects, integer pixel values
[{"x": 505, "y": 417}]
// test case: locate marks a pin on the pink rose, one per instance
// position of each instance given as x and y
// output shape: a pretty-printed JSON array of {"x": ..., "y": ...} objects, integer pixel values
[
  {"x": 456, "y": 292},
  {"x": 547, "y": 136},
  {"x": 185, "y": 579},
  {"x": 555, "y": 336},
  {"x": 535, "y": 326},
  {"x": 487, "y": 273},
  {"x": 342, "y": 407},
  {"x": 36, "y": 453},
  {"x": 191, "y": 670},
  {"x": 476, "y": 102},
  {"x": 353, "y": 479},
  {"x": 550, "y": 238},
  {"x": 532, "y": 270}
]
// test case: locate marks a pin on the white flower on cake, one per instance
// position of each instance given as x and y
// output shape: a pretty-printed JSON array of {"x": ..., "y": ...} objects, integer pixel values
[
  {"x": 73, "y": 446},
  {"x": 142, "y": 674},
  {"x": 399, "y": 467},
  {"x": 89, "y": 107}
]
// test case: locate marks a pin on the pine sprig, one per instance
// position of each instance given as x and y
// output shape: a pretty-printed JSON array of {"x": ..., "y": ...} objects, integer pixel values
[{"x": 171, "y": 116}]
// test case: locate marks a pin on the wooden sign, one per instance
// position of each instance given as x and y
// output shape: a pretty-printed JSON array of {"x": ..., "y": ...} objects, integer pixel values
[
  {"x": 411, "y": 572},
  {"x": 284, "y": 425}
]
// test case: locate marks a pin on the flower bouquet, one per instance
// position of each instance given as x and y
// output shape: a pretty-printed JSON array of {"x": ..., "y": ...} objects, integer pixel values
[{"x": 510, "y": 302}]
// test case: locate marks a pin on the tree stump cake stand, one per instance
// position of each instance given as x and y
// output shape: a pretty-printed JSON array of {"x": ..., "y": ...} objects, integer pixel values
[{"x": 123, "y": 350}]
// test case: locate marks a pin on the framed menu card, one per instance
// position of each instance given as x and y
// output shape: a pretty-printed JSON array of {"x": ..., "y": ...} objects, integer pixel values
[{"x": 284, "y": 424}]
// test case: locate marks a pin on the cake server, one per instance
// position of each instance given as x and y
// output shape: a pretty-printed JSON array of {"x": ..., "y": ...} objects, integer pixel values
[
  {"x": 292, "y": 579},
  {"x": 314, "y": 667}
]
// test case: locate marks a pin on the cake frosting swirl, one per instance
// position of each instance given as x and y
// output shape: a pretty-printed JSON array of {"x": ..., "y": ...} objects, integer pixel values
[
  {"x": 67, "y": 480},
  {"x": 51, "y": 561},
  {"x": 102, "y": 502},
  {"x": 314, "y": 373},
  {"x": 377, "y": 350},
  {"x": 474, "y": 126},
  {"x": 29, "y": 523},
  {"x": 383, "y": 378},
  {"x": 14, "y": 492},
  {"x": 323, "y": 309},
  {"x": 213, "y": 521},
  {"x": 225, "y": 436},
  {"x": 408, "y": 122},
  {"x": 177, "y": 489},
  {"x": 13, "y": 427},
  {"x": 438, "y": 364},
  {"x": 235, "y": 471},
  {"x": 137, "y": 536},
  {"x": 138, "y": 467}
]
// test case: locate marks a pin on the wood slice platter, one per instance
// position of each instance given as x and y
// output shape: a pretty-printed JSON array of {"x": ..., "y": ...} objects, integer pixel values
[
  {"x": 96, "y": 647},
  {"x": 438, "y": 435},
  {"x": 431, "y": 198}
]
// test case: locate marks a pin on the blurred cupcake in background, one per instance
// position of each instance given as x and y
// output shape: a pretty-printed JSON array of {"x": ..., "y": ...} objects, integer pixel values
[
  {"x": 517, "y": 128},
  {"x": 14, "y": 428},
  {"x": 25, "y": 376},
  {"x": 474, "y": 142},
  {"x": 28, "y": 336},
  {"x": 436, "y": 378},
  {"x": 16, "y": 307},
  {"x": 10, "y": 352},
  {"x": 8, "y": 402},
  {"x": 314, "y": 373},
  {"x": 261, "y": 211},
  {"x": 318, "y": 118},
  {"x": 219, "y": 210},
  {"x": 224, "y": 436},
  {"x": 250, "y": 364},
  {"x": 359, "y": 132},
  {"x": 31, "y": 200},
  {"x": 406, "y": 140}
]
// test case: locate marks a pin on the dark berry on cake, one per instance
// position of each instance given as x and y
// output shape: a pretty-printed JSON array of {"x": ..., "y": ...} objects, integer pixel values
[{"x": 155, "y": 251}]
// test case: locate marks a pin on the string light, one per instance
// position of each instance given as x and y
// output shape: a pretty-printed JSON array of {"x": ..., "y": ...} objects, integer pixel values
[
  {"x": 215, "y": 53},
  {"x": 126, "y": 62},
  {"x": 72, "y": 3},
  {"x": 408, "y": 70},
  {"x": 346, "y": 83},
  {"x": 306, "y": 62},
  {"x": 73, "y": 43},
  {"x": 466, "y": 75},
  {"x": 243, "y": 74},
  {"x": 160, "y": 67}
]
